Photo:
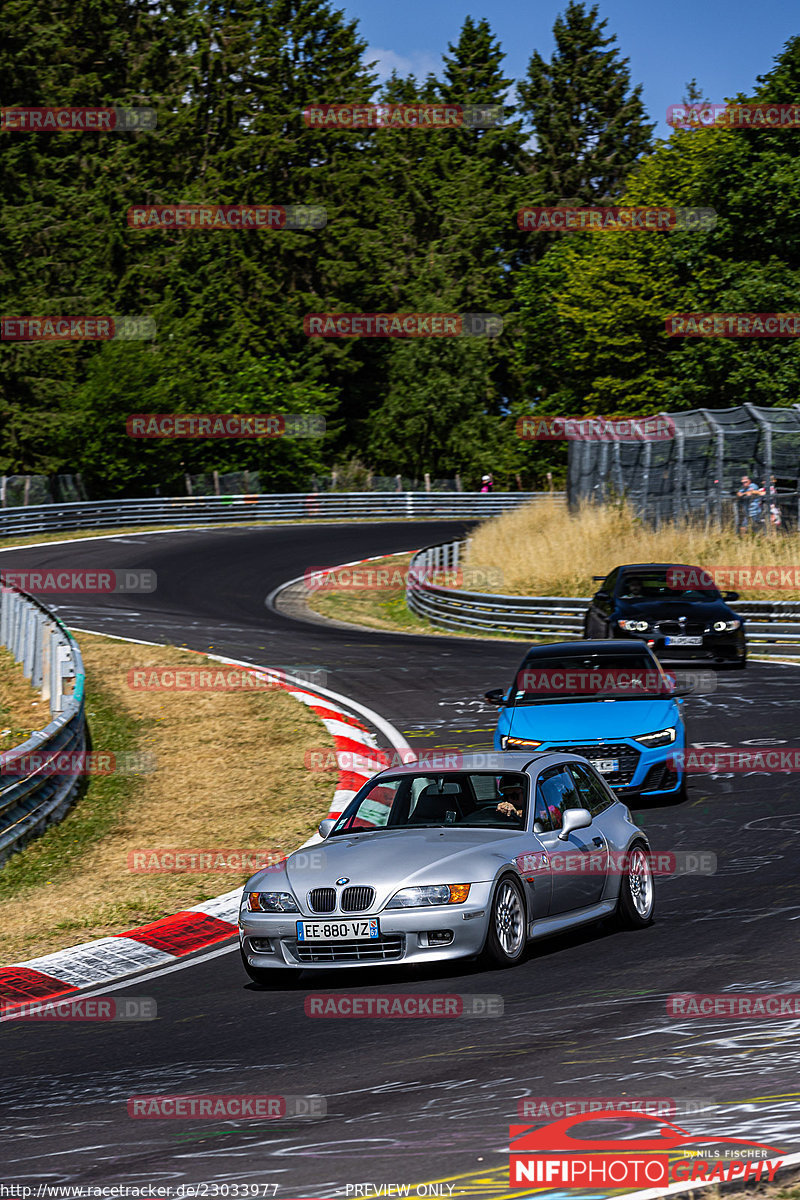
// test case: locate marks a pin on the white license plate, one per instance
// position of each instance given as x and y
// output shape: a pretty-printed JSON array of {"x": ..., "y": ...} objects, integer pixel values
[
  {"x": 338, "y": 931},
  {"x": 606, "y": 766},
  {"x": 683, "y": 641}
]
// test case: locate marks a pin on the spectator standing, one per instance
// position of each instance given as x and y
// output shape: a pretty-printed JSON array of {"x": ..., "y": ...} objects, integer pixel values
[
  {"x": 770, "y": 490},
  {"x": 750, "y": 494}
]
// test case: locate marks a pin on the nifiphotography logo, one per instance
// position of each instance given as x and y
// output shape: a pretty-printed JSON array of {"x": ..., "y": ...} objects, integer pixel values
[{"x": 654, "y": 1154}]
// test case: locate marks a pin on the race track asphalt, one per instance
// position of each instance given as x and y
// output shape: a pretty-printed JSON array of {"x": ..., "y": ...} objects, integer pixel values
[{"x": 419, "y": 1101}]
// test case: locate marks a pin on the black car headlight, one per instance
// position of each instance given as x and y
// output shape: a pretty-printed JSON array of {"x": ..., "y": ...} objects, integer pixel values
[
  {"x": 272, "y": 902},
  {"x": 634, "y": 626},
  {"x": 662, "y": 737},
  {"x": 726, "y": 626}
]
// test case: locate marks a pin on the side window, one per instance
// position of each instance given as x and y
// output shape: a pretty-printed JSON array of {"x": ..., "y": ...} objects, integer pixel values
[
  {"x": 558, "y": 793},
  {"x": 611, "y": 582},
  {"x": 590, "y": 790},
  {"x": 541, "y": 817}
]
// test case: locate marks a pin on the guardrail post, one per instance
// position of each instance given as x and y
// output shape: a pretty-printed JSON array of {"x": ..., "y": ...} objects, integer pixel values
[{"x": 46, "y": 681}]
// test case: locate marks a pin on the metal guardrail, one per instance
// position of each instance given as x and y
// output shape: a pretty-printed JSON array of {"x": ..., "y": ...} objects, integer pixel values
[
  {"x": 772, "y": 627},
  {"x": 323, "y": 506},
  {"x": 30, "y": 800}
]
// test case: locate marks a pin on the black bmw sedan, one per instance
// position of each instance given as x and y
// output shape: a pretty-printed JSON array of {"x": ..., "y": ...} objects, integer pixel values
[{"x": 672, "y": 608}]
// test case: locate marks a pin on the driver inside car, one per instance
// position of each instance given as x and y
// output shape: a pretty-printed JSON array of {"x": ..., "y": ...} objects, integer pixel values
[{"x": 512, "y": 804}]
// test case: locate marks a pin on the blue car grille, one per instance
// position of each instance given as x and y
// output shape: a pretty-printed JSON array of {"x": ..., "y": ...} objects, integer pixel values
[{"x": 626, "y": 755}]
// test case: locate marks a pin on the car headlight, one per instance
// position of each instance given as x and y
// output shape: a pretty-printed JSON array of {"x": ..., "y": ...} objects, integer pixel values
[
  {"x": 423, "y": 897},
  {"x": 275, "y": 902},
  {"x": 662, "y": 737},
  {"x": 509, "y": 743},
  {"x": 726, "y": 626},
  {"x": 634, "y": 626}
]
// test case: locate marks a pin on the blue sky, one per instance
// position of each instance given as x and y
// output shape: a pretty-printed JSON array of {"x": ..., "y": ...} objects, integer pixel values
[{"x": 724, "y": 44}]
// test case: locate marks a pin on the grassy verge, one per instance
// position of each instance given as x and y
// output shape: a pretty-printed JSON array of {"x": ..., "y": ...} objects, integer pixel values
[
  {"x": 378, "y": 608},
  {"x": 544, "y": 550},
  {"x": 21, "y": 709},
  {"x": 383, "y": 608},
  {"x": 229, "y": 774}
]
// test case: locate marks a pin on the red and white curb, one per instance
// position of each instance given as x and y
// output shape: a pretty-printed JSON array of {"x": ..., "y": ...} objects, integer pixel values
[{"x": 171, "y": 938}]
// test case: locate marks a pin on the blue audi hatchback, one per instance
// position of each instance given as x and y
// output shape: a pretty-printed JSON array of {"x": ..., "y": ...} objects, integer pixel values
[{"x": 610, "y": 702}]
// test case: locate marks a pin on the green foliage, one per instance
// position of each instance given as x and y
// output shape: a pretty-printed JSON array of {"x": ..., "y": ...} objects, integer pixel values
[{"x": 417, "y": 221}]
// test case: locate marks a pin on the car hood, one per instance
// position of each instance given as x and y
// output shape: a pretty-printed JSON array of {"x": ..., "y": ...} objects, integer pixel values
[
  {"x": 671, "y": 610},
  {"x": 588, "y": 720},
  {"x": 391, "y": 859}
]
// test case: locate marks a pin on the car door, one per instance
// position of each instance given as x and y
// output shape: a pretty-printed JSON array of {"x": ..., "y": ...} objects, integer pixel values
[
  {"x": 594, "y": 796},
  {"x": 534, "y": 861},
  {"x": 578, "y": 864}
]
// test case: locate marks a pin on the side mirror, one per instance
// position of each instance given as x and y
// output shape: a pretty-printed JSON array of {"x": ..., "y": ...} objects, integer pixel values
[
  {"x": 598, "y": 578},
  {"x": 730, "y": 595},
  {"x": 574, "y": 818},
  {"x": 602, "y": 595},
  {"x": 326, "y": 826},
  {"x": 495, "y": 696}
]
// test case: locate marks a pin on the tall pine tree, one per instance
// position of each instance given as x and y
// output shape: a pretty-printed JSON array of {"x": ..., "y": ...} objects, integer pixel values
[{"x": 590, "y": 125}]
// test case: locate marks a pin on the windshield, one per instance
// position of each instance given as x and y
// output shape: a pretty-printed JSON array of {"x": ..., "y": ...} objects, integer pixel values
[
  {"x": 456, "y": 798},
  {"x": 673, "y": 583},
  {"x": 543, "y": 678}
]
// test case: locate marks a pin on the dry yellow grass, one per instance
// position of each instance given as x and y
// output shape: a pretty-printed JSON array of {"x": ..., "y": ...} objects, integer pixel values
[
  {"x": 21, "y": 707},
  {"x": 230, "y": 775},
  {"x": 544, "y": 550}
]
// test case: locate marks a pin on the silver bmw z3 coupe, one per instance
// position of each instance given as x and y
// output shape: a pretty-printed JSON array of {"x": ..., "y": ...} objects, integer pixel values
[{"x": 425, "y": 865}]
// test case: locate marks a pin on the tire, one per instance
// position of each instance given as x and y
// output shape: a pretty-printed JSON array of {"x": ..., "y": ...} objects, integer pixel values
[
  {"x": 636, "y": 903},
  {"x": 260, "y": 975},
  {"x": 508, "y": 924}
]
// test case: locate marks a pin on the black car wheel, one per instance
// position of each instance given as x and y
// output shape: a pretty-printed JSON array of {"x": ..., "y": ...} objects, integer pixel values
[
  {"x": 636, "y": 903},
  {"x": 507, "y": 936}
]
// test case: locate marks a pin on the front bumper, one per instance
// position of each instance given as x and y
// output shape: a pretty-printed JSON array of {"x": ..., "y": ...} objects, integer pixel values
[
  {"x": 269, "y": 940},
  {"x": 714, "y": 647},
  {"x": 645, "y": 772}
]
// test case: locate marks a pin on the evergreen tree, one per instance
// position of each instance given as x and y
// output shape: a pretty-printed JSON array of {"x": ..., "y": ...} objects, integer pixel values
[{"x": 590, "y": 125}]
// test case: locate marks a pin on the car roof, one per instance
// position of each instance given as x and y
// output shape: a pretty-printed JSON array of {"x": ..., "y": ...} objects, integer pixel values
[
  {"x": 579, "y": 649},
  {"x": 510, "y": 760},
  {"x": 653, "y": 566},
  {"x": 507, "y": 760}
]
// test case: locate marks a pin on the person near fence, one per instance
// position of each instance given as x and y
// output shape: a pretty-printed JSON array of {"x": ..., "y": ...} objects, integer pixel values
[
  {"x": 750, "y": 494},
  {"x": 770, "y": 490},
  {"x": 487, "y": 483}
]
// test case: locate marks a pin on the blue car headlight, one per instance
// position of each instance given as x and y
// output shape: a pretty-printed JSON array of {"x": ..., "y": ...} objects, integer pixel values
[
  {"x": 514, "y": 743},
  {"x": 662, "y": 737}
]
